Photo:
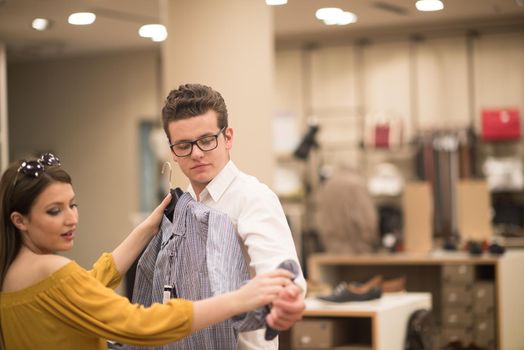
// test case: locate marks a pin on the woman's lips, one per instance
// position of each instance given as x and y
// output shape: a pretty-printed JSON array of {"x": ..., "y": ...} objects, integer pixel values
[{"x": 69, "y": 235}]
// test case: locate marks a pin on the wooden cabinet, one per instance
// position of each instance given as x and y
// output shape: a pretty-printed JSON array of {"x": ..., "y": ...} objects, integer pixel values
[
  {"x": 375, "y": 325},
  {"x": 453, "y": 279}
]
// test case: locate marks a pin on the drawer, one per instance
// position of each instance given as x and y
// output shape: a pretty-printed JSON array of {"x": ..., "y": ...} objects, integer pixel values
[
  {"x": 458, "y": 274},
  {"x": 449, "y": 334},
  {"x": 457, "y": 296},
  {"x": 484, "y": 331},
  {"x": 320, "y": 334},
  {"x": 457, "y": 317},
  {"x": 483, "y": 297}
]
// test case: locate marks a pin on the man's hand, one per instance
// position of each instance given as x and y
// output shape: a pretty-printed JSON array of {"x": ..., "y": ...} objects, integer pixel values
[{"x": 287, "y": 308}]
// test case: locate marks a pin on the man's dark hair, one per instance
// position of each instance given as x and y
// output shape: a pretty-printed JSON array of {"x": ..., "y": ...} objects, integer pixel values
[{"x": 191, "y": 100}]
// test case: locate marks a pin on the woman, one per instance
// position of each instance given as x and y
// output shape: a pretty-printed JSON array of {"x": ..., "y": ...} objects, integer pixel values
[{"x": 50, "y": 302}]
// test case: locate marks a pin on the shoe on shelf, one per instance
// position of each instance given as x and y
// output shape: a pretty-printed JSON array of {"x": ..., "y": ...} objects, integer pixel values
[
  {"x": 344, "y": 292},
  {"x": 394, "y": 285},
  {"x": 363, "y": 287},
  {"x": 474, "y": 248},
  {"x": 496, "y": 249},
  {"x": 315, "y": 288}
]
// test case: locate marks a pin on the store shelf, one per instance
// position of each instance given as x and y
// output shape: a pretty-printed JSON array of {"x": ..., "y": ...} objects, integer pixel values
[{"x": 426, "y": 273}]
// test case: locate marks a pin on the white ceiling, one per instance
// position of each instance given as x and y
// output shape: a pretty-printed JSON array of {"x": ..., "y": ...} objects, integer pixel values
[{"x": 118, "y": 21}]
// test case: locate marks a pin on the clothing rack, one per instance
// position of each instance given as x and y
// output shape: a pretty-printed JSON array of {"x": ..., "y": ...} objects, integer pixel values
[{"x": 443, "y": 157}]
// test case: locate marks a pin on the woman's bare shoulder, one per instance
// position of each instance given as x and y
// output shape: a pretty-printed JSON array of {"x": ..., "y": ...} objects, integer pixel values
[
  {"x": 51, "y": 263},
  {"x": 28, "y": 270}
]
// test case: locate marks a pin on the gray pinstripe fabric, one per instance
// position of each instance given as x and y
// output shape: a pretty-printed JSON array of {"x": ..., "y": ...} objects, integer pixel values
[{"x": 199, "y": 253}]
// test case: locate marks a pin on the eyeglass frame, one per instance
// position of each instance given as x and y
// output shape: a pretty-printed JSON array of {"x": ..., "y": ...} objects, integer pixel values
[{"x": 195, "y": 142}]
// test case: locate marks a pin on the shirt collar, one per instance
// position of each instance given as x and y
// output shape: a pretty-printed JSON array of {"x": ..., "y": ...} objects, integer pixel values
[{"x": 220, "y": 183}]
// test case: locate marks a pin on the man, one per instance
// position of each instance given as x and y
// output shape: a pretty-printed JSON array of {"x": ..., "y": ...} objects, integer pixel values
[{"x": 195, "y": 120}]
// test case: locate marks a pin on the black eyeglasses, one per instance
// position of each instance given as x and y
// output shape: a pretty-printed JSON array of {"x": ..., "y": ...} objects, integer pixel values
[
  {"x": 35, "y": 168},
  {"x": 205, "y": 144}
]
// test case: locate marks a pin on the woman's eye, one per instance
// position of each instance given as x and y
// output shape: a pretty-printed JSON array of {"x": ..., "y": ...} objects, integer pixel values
[{"x": 53, "y": 211}]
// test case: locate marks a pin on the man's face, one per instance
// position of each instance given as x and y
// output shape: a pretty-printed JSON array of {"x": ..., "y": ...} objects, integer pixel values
[{"x": 201, "y": 166}]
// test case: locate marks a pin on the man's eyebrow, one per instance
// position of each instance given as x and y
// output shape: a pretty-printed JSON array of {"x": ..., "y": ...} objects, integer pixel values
[{"x": 199, "y": 137}]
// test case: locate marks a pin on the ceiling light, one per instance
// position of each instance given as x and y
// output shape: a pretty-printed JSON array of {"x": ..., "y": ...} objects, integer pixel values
[
  {"x": 40, "y": 24},
  {"x": 327, "y": 12},
  {"x": 335, "y": 16},
  {"x": 81, "y": 18},
  {"x": 276, "y": 2},
  {"x": 346, "y": 18},
  {"x": 155, "y": 32},
  {"x": 429, "y": 5}
]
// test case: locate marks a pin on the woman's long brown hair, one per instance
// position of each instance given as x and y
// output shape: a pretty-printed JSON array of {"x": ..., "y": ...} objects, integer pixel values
[{"x": 18, "y": 192}]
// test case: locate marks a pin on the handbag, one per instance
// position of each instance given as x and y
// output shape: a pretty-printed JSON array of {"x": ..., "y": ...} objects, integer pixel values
[
  {"x": 500, "y": 124},
  {"x": 382, "y": 135},
  {"x": 420, "y": 330},
  {"x": 383, "y": 130}
]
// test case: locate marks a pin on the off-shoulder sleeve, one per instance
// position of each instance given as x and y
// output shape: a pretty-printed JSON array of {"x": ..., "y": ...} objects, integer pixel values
[
  {"x": 105, "y": 271},
  {"x": 83, "y": 302}
]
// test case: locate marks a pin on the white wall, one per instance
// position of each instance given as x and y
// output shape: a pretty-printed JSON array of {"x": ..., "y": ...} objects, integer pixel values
[
  {"x": 87, "y": 111},
  {"x": 499, "y": 71},
  {"x": 442, "y": 83},
  {"x": 4, "y": 137},
  {"x": 229, "y": 48},
  {"x": 438, "y": 82}
]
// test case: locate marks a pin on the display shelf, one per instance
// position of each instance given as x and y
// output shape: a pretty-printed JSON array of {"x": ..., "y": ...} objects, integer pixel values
[
  {"x": 426, "y": 273},
  {"x": 379, "y": 324}
]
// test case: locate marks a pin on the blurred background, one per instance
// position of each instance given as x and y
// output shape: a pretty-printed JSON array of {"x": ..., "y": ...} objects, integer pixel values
[{"x": 415, "y": 113}]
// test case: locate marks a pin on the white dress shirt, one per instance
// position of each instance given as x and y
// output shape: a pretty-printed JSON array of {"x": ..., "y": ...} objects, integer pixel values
[{"x": 258, "y": 217}]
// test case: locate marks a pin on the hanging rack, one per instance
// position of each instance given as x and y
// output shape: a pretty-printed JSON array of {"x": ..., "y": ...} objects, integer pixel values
[
  {"x": 170, "y": 172},
  {"x": 169, "y": 211}
]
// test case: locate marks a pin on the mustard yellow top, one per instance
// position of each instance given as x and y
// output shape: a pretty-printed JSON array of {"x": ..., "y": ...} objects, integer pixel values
[{"x": 76, "y": 309}]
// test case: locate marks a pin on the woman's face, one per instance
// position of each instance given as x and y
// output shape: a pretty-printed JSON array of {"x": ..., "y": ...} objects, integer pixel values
[{"x": 51, "y": 223}]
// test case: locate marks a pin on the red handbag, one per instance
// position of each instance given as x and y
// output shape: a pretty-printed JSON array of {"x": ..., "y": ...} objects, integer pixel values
[
  {"x": 500, "y": 124},
  {"x": 382, "y": 134}
]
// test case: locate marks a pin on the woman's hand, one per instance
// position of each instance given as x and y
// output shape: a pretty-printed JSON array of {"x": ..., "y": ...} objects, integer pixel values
[
  {"x": 152, "y": 222},
  {"x": 126, "y": 253},
  {"x": 259, "y": 291},
  {"x": 262, "y": 290}
]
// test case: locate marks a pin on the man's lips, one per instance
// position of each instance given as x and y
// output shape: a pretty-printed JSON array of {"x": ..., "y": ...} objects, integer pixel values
[{"x": 198, "y": 166}]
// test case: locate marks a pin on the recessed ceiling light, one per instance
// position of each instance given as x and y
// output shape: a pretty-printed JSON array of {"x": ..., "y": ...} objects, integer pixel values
[
  {"x": 81, "y": 18},
  {"x": 155, "y": 32},
  {"x": 346, "y": 18},
  {"x": 276, "y": 2},
  {"x": 40, "y": 24},
  {"x": 335, "y": 16},
  {"x": 429, "y": 5},
  {"x": 328, "y": 12}
]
